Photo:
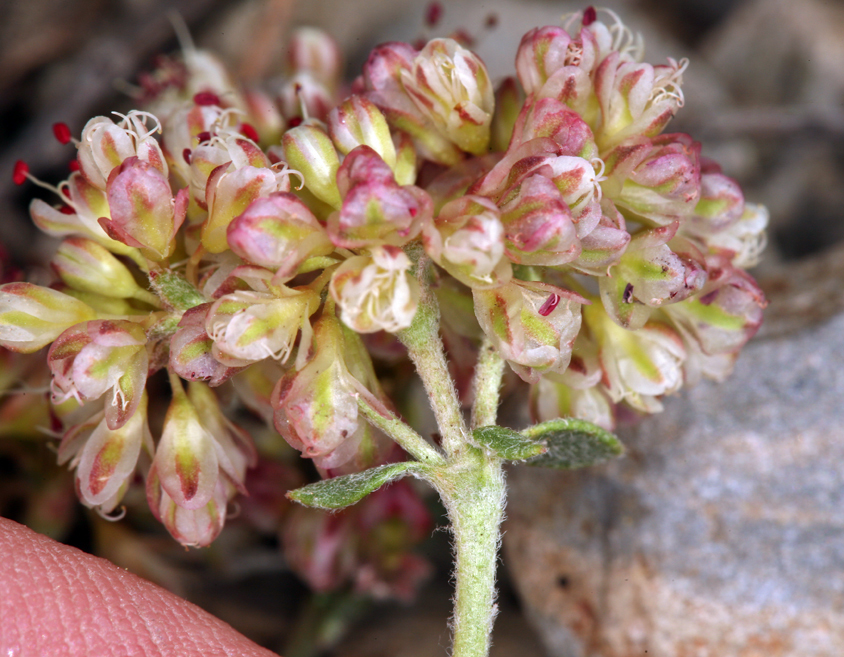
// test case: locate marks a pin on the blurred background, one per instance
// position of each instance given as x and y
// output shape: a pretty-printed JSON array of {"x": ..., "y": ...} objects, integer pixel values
[{"x": 764, "y": 93}]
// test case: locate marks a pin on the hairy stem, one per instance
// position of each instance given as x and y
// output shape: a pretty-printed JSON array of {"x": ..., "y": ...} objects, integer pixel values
[
  {"x": 410, "y": 441},
  {"x": 423, "y": 342},
  {"x": 486, "y": 386},
  {"x": 474, "y": 493}
]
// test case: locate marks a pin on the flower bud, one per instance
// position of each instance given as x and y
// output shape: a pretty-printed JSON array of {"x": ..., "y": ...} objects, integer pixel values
[
  {"x": 548, "y": 118},
  {"x": 358, "y": 122},
  {"x": 278, "y": 232},
  {"x": 309, "y": 150},
  {"x": 107, "y": 461},
  {"x": 32, "y": 316},
  {"x": 603, "y": 246},
  {"x": 451, "y": 87},
  {"x": 538, "y": 227},
  {"x": 264, "y": 115},
  {"x": 376, "y": 292},
  {"x": 659, "y": 182},
  {"x": 316, "y": 408},
  {"x": 532, "y": 325},
  {"x": 191, "y": 527},
  {"x": 550, "y": 400},
  {"x": 744, "y": 240},
  {"x": 250, "y": 326},
  {"x": 303, "y": 96},
  {"x": 92, "y": 358},
  {"x": 467, "y": 240},
  {"x": 143, "y": 211},
  {"x": 314, "y": 51},
  {"x": 639, "y": 366},
  {"x": 87, "y": 266},
  {"x": 376, "y": 211}
]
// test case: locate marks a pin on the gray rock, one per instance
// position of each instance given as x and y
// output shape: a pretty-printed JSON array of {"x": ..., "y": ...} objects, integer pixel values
[{"x": 722, "y": 532}]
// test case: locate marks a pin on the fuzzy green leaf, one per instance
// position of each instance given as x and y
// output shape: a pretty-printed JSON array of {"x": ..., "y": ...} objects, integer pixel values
[
  {"x": 508, "y": 444},
  {"x": 343, "y": 491},
  {"x": 572, "y": 444}
]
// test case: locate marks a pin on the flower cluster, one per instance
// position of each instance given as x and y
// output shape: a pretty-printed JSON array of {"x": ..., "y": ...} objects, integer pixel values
[{"x": 264, "y": 235}]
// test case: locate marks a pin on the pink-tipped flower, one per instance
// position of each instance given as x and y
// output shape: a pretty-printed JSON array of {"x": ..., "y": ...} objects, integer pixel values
[
  {"x": 85, "y": 265},
  {"x": 105, "y": 146},
  {"x": 383, "y": 83},
  {"x": 538, "y": 226},
  {"x": 649, "y": 275},
  {"x": 376, "y": 292},
  {"x": 639, "y": 366},
  {"x": 93, "y": 358},
  {"x": 467, "y": 239},
  {"x": 32, "y": 316},
  {"x": 191, "y": 527},
  {"x": 316, "y": 408},
  {"x": 357, "y": 121},
  {"x": 548, "y": 118},
  {"x": 376, "y": 211},
  {"x": 278, "y": 232},
  {"x": 106, "y": 462},
  {"x": 451, "y": 87},
  {"x": 532, "y": 325},
  {"x": 313, "y": 50},
  {"x": 655, "y": 180},
  {"x": 249, "y": 326},
  {"x": 144, "y": 213}
]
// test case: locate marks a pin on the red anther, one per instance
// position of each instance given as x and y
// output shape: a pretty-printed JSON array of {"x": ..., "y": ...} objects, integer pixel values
[
  {"x": 206, "y": 98},
  {"x": 413, "y": 212},
  {"x": 20, "y": 172},
  {"x": 418, "y": 44},
  {"x": 66, "y": 191},
  {"x": 589, "y": 16},
  {"x": 204, "y": 136},
  {"x": 550, "y": 303},
  {"x": 66, "y": 209},
  {"x": 491, "y": 21},
  {"x": 186, "y": 155},
  {"x": 433, "y": 14},
  {"x": 295, "y": 121},
  {"x": 62, "y": 132},
  {"x": 627, "y": 296},
  {"x": 249, "y": 132},
  {"x": 73, "y": 165}
]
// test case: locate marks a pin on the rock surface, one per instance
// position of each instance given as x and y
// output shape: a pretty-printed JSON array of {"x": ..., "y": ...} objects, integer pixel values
[{"x": 721, "y": 532}]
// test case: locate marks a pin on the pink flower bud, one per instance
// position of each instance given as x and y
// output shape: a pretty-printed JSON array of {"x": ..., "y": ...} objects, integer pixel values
[
  {"x": 375, "y": 211},
  {"x": 451, "y": 87},
  {"x": 659, "y": 184},
  {"x": 744, "y": 240},
  {"x": 191, "y": 527},
  {"x": 278, "y": 232},
  {"x": 107, "y": 461},
  {"x": 538, "y": 225},
  {"x": 87, "y": 266},
  {"x": 96, "y": 357},
  {"x": 376, "y": 292},
  {"x": 358, "y": 122},
  {"x": 548, "y": 118},
  {"x": 265, "y": 117},
  {"x": 603, "y": 246},
  {"x": 316, "y": 408},
  {"x": 313, "y": 50},
  {"x": 249, "y": 326},
  {"x": 32, "y": 316},
  {"x": 143, "y": 211},
  {"x": 309, "y": 150},
  {"x": 532, "y": 325},
  {"x": 467, "y": 240}
]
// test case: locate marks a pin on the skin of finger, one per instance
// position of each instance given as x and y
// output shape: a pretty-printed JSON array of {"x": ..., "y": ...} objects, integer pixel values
[{"x": 56, "y": 600}]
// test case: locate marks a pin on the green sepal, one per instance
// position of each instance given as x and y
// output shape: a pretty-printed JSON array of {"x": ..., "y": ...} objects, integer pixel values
[
  {"x": 508, "y": 444},
  {"x": 340, "y": 492},
  {"x": 175, "y": 291},
  {"x": 573, "y": 444}
]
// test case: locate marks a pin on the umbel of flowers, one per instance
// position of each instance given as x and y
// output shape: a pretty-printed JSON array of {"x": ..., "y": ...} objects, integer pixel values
[{"x": 554, "y": 219}]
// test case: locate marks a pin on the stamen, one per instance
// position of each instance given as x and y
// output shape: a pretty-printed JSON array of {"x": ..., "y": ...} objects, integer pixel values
[
  {"x": 249, "y": 132},
  {"x": 112, "y": 518},
  {"x": 287, "y": 171},
  {"x": 62, "y": 133},
  {"x": 73, "y": 165},
  {"x": 550, "y": 304},
  {"x": 433, "y": 14},
  {"x": 21, "y": 172},
  {"x": 203, "y": 137},
  {"x": 589, "y": 16},
  {"x": 205, "y": 98},
  {"x": 186, "y": 155}
]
